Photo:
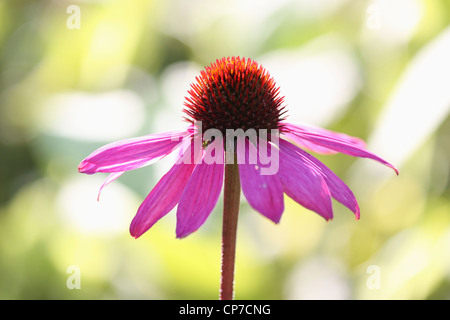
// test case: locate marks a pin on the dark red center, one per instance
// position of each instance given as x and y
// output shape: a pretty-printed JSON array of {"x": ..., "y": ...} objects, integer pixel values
[{"x": 234, "y": 93}]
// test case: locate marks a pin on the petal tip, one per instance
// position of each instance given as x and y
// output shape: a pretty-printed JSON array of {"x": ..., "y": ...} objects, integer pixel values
[
  {"x": 397, "y": 172},
  {"x": 183, "y": 232},
  {"x": 135, "y": 234},
  {"x": 328, "y": 216},
  {"x": 277, "y": 220},
  {"x": 136, "y": 230},
  {"x": 182, "y": 235},
  {"x": 357, "y": 212},
  {"x": 85, "y": 167}
]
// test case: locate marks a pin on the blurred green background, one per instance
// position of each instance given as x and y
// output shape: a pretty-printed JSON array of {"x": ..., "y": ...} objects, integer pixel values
[{"x": 75, "y": 75}]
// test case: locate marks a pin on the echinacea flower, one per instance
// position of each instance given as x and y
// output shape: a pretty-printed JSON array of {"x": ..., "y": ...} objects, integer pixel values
[{"x": 233, "y": 93}]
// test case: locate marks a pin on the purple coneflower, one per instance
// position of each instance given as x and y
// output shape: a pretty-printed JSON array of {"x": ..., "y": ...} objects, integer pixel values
[{"x": 233, "y": 94}]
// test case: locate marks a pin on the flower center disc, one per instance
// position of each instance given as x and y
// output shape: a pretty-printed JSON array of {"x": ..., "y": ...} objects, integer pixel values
[{"x": 234, "y": 93}]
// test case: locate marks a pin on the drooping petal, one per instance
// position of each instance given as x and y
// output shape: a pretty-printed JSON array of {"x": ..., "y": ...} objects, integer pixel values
[
  {"x": 264, "y": 193},
  {"x": 308, "y": 145},
  {"x": 201, "y": 193},
  {"x": 132, "y": 153},
  {"x": 311, "y": 146},
  {"x": 111, "y": 177},
  {"x": 165, "y": 195},
  {"x": 338, "y": 189},
  {"x": 334, "y": 141},
  {"x": 325, "y": 132},
  {"x": 303, "y": 182}
]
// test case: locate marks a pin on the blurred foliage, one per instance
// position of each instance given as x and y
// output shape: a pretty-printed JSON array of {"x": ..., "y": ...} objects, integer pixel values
[{"x": 358, "y": 67}]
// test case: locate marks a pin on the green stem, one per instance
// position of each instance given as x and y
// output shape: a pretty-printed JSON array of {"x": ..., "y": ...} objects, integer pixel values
[{"x": 232, "y": 192}]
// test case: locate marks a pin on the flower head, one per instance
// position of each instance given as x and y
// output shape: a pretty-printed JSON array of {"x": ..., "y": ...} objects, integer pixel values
[
  {"x": 235, "y": 93},
  {"x": 231, "y": 95}
]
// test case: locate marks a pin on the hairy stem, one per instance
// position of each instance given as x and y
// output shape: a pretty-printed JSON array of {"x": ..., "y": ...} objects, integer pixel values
[{"x": 232, "y": 193}]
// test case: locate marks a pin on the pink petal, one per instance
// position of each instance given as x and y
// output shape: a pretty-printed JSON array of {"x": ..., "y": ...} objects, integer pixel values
[
  {"x": 338, "y": 189},
  {"x": 314, "y": 147},
  {"x": 264, "y": 193},
  {"x": 111, "y": 177},
  {"x": 164, "y": 196},
  {"x": 308, "y": 145},
  {"x": 334, "y": 141},
  {"x": 200, "y": 195},
  {"x": 321, "y": 131},
  {"x": 132, "y": 153},
  {"x": 302, "y": 182}
]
